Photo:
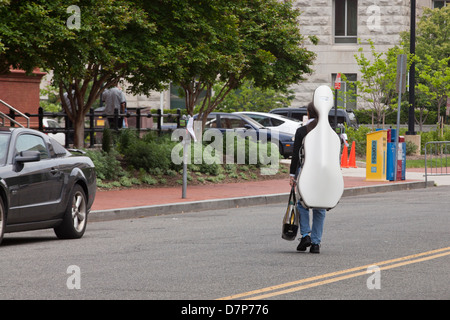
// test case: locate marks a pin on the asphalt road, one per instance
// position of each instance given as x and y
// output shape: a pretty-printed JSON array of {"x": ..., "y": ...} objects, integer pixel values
[{"x": 239, "y": 253}]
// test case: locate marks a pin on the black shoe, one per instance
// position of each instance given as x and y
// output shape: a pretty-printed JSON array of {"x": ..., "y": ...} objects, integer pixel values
[
  {"x": 315, "y": 248},
  {"x": 305, "y": 242}
]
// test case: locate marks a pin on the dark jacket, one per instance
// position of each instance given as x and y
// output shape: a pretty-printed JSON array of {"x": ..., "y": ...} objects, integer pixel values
[{"x": 300, "y": 134}]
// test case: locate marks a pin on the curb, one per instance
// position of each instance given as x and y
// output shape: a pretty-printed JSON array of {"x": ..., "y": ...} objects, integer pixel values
[
  {"x": 356, "y": 191},
  {"x": 182, "y": 207}
]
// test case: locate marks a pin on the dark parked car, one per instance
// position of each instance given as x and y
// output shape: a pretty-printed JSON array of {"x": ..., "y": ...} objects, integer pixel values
[
  {"x": 43, "y": 185},
  {"x": 233, "y": 121},
  {"x": 343, "y": 116}
]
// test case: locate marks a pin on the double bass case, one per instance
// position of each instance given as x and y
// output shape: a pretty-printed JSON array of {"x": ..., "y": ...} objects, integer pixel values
[{"x": 320, "y": 183}]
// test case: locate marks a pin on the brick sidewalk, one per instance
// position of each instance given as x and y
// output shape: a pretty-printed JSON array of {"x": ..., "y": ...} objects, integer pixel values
[{"x": 130, "y": 198}]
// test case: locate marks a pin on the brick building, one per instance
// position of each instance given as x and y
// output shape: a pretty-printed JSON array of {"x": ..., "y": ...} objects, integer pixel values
[{"x": 21, "y": 91}]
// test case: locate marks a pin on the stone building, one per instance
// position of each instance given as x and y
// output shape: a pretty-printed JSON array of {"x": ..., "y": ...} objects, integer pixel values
[{"x": 343, "y": 26}]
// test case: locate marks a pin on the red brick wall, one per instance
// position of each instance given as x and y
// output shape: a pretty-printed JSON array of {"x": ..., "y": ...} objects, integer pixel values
[{"x": 21, "y": 92}]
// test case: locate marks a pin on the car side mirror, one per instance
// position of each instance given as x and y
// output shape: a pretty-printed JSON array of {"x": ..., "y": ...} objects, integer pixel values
[{"x": 28, "y": 156}]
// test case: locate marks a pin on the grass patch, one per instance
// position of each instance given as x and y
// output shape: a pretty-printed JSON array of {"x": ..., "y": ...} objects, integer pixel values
[{"x": 420, "y": 163}]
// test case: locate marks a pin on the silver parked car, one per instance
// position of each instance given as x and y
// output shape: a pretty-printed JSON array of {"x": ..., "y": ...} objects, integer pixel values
[{"x": 274, "y": 121}]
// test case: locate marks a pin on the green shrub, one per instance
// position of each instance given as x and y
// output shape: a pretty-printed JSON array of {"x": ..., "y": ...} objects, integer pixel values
[
  {"x": 201, "y": 179},
  {"x": 107, "y": 140},
  {"x": 360, "y": 137},
  {"x": 125, "y": 139},
  {"x": 106, "y": 164},
  {"x": 433, "y": 135},
  {"x": 212, "y": 169},
  {"x": 203, "y": 162},
  {"x": 148, "y": 179},
  {"x": 411, "y": 148},
  {"x": 171, "y": 173},
  {"x": 125, "y": 181},
  {"x": 148, "y": 155}
]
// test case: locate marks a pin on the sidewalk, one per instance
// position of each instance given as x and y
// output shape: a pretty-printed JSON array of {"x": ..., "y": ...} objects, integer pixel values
[{"x": 136, "y": 203}]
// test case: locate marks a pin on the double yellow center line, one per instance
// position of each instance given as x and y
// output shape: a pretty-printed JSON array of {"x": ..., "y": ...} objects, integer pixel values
[{"x": 311, "y": 282}]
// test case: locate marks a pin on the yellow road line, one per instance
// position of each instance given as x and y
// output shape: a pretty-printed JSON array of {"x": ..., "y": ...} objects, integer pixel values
[
  {"x": 431, "y": 255},
  {"x": 352, "y": 275}
]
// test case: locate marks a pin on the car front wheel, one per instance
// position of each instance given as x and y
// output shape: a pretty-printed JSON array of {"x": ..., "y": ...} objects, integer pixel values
[{"x": 75, "y": 217}]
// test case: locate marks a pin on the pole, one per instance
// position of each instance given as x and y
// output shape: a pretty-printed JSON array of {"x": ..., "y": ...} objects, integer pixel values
[
  {"x": 185, "y": 146},
  {"x": 412, "y": 71},
  {"x": 337, "y": 86},
  {"x": 185, "y": 160},
  {"x": 402, "y": 65},
  {"x": 161, "y": 106},
  {"x": 335, "y": 108}
]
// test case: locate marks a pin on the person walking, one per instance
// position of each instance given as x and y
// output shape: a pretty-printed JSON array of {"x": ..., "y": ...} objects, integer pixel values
[
  {"x": 69, "y": 124},
  {"x": 114, "y": 99},
  {"x": 311, "y": 236}
]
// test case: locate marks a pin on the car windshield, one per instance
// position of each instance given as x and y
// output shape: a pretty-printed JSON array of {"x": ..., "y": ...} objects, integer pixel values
[
  {"x": 253, "y": 122},
  {"x": 4, "y": 143},
  {"x": 287, "y": 118}
]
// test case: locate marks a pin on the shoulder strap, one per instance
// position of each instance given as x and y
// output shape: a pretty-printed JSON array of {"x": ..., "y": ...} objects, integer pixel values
[{"x": 301, "y": 154}]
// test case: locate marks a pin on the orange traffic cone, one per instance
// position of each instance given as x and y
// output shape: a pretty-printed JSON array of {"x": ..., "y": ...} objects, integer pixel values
[
  {"x": 352, "y": 159},
  {"x": 344, "y": 159}
]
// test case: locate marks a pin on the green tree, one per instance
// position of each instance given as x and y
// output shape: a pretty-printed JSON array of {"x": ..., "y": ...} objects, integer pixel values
[
  {"x": 434, "y": 81},
  {"x": 379, "y": 79},
  {"x": 26, "y": 30},
  {"x": 226, "y": 42},
  {"x": 432, "y": 46},
  {"x": 250, "y": 98},
  {"x": 89, "y": 45},
  {"x": 114, "y": 42},
  {"x": 432, "y": 34}
]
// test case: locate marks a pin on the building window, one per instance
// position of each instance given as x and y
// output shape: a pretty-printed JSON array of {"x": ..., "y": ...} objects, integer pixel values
[
  {"x": 345, "y": 21},
  {"x": 440, "y": 4},
  {"x": 347, "y": 93}
]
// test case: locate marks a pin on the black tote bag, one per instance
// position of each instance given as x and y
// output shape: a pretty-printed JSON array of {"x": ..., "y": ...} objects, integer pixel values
[{"x": 290, "y": 220}]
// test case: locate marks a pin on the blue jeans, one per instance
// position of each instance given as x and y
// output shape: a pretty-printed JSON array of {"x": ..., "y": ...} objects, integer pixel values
[{"x": 317, "y": 223}]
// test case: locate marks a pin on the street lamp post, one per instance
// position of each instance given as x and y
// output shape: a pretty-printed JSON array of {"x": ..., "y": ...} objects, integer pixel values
[{"x": 412, "y": 71}]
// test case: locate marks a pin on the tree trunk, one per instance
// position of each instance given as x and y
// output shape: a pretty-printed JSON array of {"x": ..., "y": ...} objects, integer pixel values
[
  {"x": 421, "y": 120},
  {"x": 79, "y": 132}
]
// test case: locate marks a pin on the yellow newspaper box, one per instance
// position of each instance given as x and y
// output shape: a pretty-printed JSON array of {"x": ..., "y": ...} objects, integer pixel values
[{"x": 376, "y": 154}]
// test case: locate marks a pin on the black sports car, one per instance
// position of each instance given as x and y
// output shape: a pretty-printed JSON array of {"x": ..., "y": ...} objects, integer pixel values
[{"x": 43, "y": 185}]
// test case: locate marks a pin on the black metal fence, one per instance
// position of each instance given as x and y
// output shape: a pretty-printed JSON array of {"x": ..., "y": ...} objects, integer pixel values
[
  {"x": 97, "y": 121},
  {"x": 437, "y": 160}
]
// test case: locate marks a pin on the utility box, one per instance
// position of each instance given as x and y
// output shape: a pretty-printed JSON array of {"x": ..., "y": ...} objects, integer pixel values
[
  {"x": 376, "y": 155},
  {"x": 401, "y": 160}
]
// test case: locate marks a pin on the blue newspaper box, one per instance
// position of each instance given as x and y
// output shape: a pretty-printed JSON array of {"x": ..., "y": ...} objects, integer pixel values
[{"x": 401, "y": 160}]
